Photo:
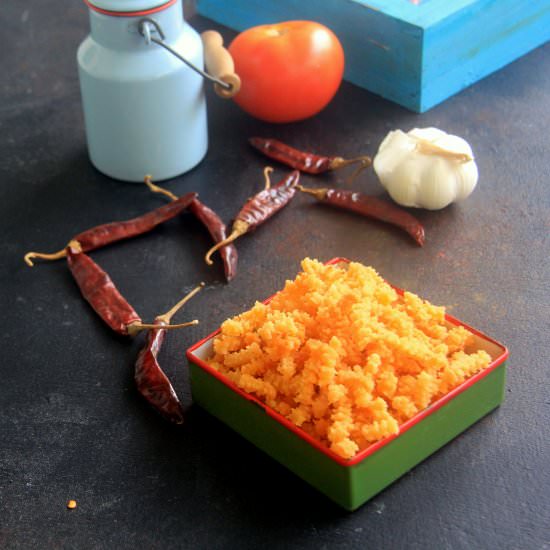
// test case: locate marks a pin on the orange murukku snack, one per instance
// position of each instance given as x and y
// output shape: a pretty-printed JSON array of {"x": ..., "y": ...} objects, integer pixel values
[{"x": 344, "y": 356}]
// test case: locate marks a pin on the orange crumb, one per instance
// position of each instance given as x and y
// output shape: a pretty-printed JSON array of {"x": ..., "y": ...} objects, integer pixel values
[
  {"x": 343, "y": 356},
  {"x": 71, "y": 504}
]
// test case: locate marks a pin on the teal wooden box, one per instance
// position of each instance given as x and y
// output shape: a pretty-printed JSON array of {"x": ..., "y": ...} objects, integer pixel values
[{"x": 414, "y": 52}]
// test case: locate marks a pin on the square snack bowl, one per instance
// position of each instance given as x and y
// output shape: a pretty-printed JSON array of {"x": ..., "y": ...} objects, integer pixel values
[{"x": 350, "y": 483}]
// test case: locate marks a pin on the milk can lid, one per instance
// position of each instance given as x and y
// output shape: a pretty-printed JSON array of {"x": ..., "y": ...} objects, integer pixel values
[{"x": 128, "y": 6}]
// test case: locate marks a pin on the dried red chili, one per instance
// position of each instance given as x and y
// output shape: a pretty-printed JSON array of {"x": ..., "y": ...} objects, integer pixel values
[
  {"x": 151, "y": 381},
  {"x": 108, "y": 233},
  {"x": 370, "y": 207},
  {"x": 304, "y": 161},
  {"x": 213, "y": 223},
  {"x": 260, "y": 207},
  {"x": 218, "y": 232},
  {"x": 101, "y": 293}
]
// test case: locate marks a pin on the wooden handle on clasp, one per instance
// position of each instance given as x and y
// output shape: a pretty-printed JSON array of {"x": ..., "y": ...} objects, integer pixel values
[{"x": 219, "y": 63}]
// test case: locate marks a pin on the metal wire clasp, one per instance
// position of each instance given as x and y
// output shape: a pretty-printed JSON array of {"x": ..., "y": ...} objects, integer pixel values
[
  {"x": 147, "y": 27},
  {"x": 144, "y": 27}
]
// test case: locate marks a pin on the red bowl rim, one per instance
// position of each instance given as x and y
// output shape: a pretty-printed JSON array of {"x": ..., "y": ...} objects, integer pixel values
[{"x": 371, "y": 449}]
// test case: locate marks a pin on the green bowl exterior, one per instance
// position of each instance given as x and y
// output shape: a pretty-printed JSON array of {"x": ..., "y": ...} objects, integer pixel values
[
  {"x": 411, "y": 447},
  {"x": 349, "y": 486}
]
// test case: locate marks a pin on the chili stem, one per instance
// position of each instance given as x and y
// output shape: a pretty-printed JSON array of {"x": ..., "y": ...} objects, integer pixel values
[
  {"x": 157, "y": 189},
  {"x": 267, "y": 171},
  {"x": 364, "y": 162},
  {"x": 429, "y": 148},
  {"x": 134, "y": 328},
  {"x": 239, "y": 228},
  {"x": 144, "y": 326},
  {"x": 29, "y": 256},
  {"x": 165, "y": 317},
  {"x": 317, "y": 193}
]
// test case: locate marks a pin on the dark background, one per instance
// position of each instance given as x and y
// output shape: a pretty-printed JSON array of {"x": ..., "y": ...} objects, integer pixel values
[{"x": 71, "y": 424}]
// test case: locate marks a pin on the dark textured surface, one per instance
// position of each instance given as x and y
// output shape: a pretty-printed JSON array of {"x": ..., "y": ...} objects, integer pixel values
[{"x": 71, "y": 424}]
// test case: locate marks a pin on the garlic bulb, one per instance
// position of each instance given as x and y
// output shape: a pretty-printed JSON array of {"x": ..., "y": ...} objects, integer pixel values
[{"x": 426, "y": 168}]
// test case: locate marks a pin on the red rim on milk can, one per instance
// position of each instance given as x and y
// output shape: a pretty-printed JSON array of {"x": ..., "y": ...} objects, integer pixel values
[{"x": 142, "y": 75}]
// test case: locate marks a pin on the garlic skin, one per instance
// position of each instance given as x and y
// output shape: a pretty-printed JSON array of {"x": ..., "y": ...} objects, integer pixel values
[{"x": 426, "y": 168}]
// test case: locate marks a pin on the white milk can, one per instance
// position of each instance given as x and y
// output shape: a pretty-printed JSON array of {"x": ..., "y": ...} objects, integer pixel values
[{"x": 141, "y": 79}]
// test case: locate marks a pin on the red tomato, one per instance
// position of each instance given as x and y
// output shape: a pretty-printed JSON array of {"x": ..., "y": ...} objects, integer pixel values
[{"x": 289, "y": 71}]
